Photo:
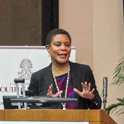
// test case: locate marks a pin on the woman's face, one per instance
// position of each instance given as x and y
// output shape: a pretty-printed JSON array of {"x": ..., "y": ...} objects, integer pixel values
[{"x": 60, "y": 49}]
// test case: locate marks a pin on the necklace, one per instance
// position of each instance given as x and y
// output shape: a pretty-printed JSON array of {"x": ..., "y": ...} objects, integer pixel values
[{"x": 63, "y": 104}]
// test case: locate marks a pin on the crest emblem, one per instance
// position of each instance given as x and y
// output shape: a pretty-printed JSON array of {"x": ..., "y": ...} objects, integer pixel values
[{"x": 26, "y": 66}]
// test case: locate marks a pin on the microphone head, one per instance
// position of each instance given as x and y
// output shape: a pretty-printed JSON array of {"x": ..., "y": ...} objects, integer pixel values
[
  {"x": 22, "y": 80},
  {"x": 105, "y": 84}
]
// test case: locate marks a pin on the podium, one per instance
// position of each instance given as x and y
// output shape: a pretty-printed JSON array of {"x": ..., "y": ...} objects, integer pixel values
[{"x": 56, "y": 115}]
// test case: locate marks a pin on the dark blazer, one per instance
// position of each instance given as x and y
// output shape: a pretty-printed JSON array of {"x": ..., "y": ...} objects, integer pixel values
[{"x": 42, "y": 79}]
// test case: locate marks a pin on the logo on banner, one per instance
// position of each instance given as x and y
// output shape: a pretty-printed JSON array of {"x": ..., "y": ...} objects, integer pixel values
[
  {"x": 25, "y": 73},
  {"x": 26, "y": 66}
]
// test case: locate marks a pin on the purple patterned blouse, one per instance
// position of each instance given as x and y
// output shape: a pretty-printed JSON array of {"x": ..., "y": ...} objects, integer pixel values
[{"x": 61, "y": 81}]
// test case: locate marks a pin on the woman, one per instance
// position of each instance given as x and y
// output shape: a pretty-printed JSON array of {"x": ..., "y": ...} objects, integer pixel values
[{"x": 63, "y": 78}]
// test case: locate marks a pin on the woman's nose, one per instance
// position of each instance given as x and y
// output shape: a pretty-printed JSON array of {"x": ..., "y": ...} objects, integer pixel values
[{"x": 63, "y": 47}]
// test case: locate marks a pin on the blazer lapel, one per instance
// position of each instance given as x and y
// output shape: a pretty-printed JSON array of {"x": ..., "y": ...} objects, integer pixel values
[
  {"x": 48, "y": 78},
  {"x": 75, "y": 76},
  {"x": 75, "y": 73}
]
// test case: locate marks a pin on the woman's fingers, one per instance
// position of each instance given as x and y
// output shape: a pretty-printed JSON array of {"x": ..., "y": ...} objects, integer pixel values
[
  {"x": 49, "y": 92},
  {"x": 86, "y": 92},
  {"x": 92, "y": 90},
  {"x": 85, "y": 86},
  {"x": 57, "y": 94},
  {"x": 77, "y": 91},
  {"x": 89, "y": 86}
]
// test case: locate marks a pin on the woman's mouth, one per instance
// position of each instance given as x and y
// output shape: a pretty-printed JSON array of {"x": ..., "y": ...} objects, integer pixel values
[{"x": 62, "y": 55}]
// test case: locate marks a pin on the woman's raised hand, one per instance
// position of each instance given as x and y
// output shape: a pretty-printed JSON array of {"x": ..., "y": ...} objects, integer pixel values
[
  {"x": 86, "y": 92},
  {"x": 49, "y": 92}
]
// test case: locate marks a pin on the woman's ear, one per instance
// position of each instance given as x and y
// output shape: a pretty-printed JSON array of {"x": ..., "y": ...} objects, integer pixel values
[{"x": 48, "y": 48}]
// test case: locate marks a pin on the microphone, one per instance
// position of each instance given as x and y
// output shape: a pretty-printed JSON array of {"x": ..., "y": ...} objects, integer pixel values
[
  {"x": 17, "y": 80},
  {"x": 105, "y": 84},
  {"x": 22, "y": 81}
]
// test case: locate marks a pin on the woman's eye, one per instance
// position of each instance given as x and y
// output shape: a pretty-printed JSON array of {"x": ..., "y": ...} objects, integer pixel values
[
  {"x": 68, "y": 45},
  {"x": 57, "y": 44}
]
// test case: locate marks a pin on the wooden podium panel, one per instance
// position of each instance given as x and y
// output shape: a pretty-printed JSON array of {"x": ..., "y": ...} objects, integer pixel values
[{"x": 91, "y": 116}]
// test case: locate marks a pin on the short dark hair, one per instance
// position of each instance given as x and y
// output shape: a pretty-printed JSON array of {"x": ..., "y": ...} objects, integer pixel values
[{"x": 54, "y": 32}]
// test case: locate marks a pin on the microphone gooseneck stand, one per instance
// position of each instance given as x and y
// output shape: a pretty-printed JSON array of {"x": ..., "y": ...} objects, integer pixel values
[{"x": 22, "y": 81}]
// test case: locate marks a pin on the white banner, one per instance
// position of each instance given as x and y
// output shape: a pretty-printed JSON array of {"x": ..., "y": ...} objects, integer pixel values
[{"x": 21, "y": 62}]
